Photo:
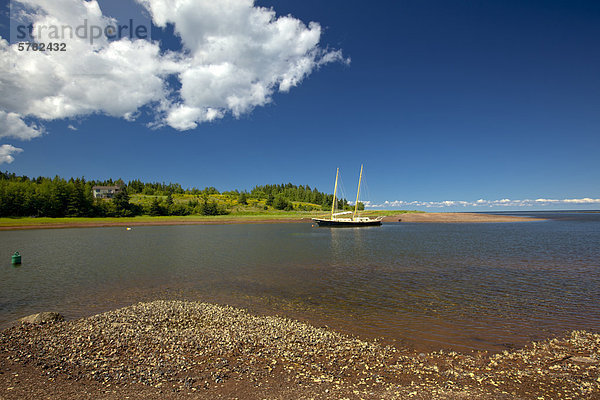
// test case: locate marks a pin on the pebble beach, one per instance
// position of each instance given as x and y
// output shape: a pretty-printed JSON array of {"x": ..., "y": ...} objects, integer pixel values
[{"x": 182, "y": 349}]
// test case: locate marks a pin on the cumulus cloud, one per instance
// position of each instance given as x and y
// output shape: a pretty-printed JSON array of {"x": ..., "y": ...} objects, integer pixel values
[
  {"x": 239, "y": 56},
  {"x": 12, "y": 125},
  {"x": 6, "y": 153},
  {"x": 484, "y": 203},
  {"x": 235, "y": 56}
]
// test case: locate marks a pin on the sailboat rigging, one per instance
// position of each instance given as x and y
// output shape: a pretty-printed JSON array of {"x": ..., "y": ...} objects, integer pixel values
[{"x": 355, "y": 221}]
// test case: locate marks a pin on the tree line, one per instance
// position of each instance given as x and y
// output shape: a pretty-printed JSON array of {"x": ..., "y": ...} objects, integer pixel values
[{"x": 21, "y": 196}]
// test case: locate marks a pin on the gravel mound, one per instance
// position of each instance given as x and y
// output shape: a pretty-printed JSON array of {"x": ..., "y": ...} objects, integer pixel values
[{"x": 191, "y": 347}]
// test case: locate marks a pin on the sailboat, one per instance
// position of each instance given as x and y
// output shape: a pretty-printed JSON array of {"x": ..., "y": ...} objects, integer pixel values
[{"x": 355, "y": 221}]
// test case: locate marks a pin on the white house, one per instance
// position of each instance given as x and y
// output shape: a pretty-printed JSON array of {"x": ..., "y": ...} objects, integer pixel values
[{"x": 105, "y": 192}]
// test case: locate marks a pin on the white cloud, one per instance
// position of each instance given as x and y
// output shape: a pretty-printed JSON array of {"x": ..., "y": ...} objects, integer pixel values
[
  {"x": 239, "y": 56},
  {"x": 115, "y": 80},
  {"x": 235, "y": 57},
  {"x": 71, "y": 127},
  {"x": 580, "y": 201},
  {"x": 484, "y": 203},
  {"x": 12, "y": 125},
  {"x": 6, "y": 153}
]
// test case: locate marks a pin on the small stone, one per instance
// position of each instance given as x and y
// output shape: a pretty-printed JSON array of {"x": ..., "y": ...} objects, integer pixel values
[
  {"x": 587, "y": 360},
  {"x": 41, "y": 318}
]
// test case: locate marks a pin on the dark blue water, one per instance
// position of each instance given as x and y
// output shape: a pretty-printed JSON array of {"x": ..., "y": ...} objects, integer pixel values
[{"x": 460, "y": 286}]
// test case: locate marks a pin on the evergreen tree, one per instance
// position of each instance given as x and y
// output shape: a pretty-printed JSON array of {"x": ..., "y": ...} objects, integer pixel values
[
  {"x": 281, "y": 203},
  {"x": 121, "y": 203},
  {"x": 155, "y": 208},
  {"x": 270, "y": 200}
]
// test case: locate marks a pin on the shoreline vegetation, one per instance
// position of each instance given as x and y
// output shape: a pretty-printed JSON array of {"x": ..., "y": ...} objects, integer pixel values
[
  {"x": 185, "y": 349},
  {"x": 22, "y": 196},
  {"x": 30, "y": 203},
  {"x": 256, "y": 218}
]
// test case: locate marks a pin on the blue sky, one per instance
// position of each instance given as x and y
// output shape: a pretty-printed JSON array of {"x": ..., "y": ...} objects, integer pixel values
[{"x": 441, "y": 100}]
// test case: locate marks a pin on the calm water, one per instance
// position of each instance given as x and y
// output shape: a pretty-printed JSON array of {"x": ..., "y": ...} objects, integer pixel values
[{"x": 428, "y": 286}]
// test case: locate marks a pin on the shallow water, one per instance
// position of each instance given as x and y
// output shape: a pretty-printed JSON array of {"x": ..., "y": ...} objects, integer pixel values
[{"x": 427, "y": 286}]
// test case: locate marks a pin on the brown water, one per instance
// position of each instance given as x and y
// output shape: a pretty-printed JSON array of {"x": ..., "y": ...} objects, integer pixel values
[{"x": 427, "y": 286}]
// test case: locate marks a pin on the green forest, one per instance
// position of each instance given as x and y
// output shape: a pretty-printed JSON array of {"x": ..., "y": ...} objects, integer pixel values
[{"x": 21, "y": 196}]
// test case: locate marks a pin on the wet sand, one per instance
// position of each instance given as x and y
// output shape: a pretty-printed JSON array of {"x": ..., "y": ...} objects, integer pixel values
[
  {"x": 176, "y": 349},
  {"x": 457, "y": 218},
  {"x": 157, "y": 223},
  {"x": 408, "y": 217}
]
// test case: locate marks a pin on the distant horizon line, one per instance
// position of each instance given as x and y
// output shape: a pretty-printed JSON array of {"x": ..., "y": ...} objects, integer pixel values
[
  {"x": 506, "y": 211},
  {"x": 539, "y": 202}
]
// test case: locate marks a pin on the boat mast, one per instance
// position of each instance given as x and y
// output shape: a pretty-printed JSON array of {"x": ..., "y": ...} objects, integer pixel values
[
  {"x": 334, "y": 193},
  {"x": 357, "y": 192}
]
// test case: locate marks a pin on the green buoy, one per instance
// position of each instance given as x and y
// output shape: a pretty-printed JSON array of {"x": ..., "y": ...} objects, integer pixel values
[{"x": 16, "y": 258}]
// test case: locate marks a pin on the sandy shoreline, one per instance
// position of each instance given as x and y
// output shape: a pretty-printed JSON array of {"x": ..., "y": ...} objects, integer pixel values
[
  {"x": 407, "y": 217},
  {"x": 457, "y": 218},
  {"x": 176, "y": 349},
  {"x": 156, "y": 223}
]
